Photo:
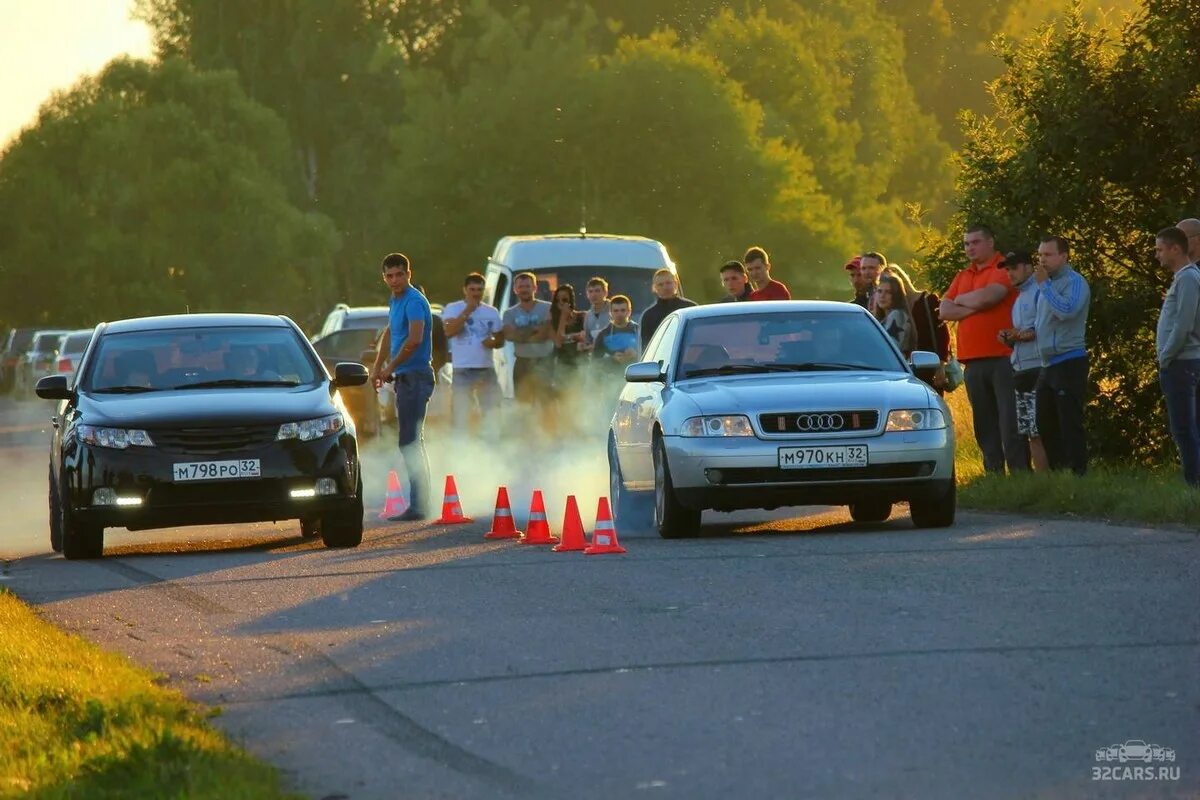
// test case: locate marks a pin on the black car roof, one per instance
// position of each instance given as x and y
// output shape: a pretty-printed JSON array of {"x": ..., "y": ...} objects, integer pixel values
[{"x": 172, "y": 321}]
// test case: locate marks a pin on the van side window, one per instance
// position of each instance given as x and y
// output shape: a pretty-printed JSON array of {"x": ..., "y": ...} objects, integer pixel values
[{"x": 500, "y": 298}]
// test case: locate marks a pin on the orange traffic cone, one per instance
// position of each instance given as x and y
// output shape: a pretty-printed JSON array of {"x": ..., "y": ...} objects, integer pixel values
[
  {"x": 572, "y": 529},
  {"x": 394, "y": 504},
  {"x": 604, "y": 538},
  {"x": 538, "y": 531},
  {"x": 502, "y": 520},
  {"x": 451, "y": 508}
]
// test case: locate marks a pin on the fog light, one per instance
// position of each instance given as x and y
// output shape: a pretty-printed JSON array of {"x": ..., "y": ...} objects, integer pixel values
[
  {"x": 301, "y": 494},
  {"x": 326, "y": 487},
  {"x": 714, "y": 476},
  {"x": 129, "y": 501},
  {"x": 104, "y": 497}
]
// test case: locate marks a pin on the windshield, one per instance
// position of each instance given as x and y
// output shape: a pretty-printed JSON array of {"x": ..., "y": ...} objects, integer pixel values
[
  {"x": 633, "y": 282},
  {"x": 46, "y": 341},
  {"x": 76, "y": 342},
  {"x": 198, "y": 357},
  {"x": 795, "y": 341},
  {"x": 20, "y": 339}
]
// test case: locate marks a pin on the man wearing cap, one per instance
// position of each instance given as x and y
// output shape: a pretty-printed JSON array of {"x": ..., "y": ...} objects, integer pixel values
[
  {"x": 1025, "y": 359},
  {"x": 980, "y": 300},
  {"x": 1063, "y": 303},
  {"x": 862, "y": 291}
]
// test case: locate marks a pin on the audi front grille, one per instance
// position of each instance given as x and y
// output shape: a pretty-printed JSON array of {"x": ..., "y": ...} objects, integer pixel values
[{"x": 799, "y": 423}]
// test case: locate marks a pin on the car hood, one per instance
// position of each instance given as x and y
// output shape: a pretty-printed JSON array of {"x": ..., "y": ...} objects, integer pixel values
[
  {"x": 804, "y": 391},
  {"x": 204, "y": 407}
]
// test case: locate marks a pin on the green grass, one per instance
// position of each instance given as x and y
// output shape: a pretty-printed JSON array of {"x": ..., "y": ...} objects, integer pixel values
[
  {"x": 77, "y": 722},
  {"x": 1118, "y": 494}
]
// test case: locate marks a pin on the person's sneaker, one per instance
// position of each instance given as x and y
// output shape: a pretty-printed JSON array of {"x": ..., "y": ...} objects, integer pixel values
[{"x": 412, "y": 515}]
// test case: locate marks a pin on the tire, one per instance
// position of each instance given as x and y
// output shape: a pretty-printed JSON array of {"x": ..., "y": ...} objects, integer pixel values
[
  {"x": 55, "y": 516},
  {"x": 79, "y": 541},
  {"x": 630, "y": 510},
  {"x": 870, "y": 511},
  {"x": 310, "y": 528},
  {"x": 346, "y": 529},
  {"x": 672, "y": 519},
  {"x": 937, "y": 510}
]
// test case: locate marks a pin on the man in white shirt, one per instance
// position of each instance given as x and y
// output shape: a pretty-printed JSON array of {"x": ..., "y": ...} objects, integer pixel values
[{"x": 472, "y": 328}]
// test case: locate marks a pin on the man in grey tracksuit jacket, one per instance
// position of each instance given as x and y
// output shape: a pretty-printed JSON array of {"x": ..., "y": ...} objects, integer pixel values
[
  {"x": 1061, "y": 327},
  {"x": 1178, "y": 345}
]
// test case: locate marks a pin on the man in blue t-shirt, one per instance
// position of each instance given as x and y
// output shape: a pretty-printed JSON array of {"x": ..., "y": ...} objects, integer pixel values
[
  {"x": 617, "y": 345},
  {"x": 406, "y": 356}
]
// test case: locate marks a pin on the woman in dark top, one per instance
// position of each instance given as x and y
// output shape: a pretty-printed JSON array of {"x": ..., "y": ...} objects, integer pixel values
[{"x": 566, "y": 327}]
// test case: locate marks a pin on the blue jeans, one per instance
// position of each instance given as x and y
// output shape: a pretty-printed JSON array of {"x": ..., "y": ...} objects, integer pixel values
[
  {"x": 471, "y": 386},
  {"x": 1180, "y": 382},
  {"x": 413, "y": 390}
]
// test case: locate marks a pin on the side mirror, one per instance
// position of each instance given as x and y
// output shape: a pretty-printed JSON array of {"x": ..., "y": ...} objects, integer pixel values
[
  {"x": 644, "y": 372},
  {"x": 924, "y": 364},
  {"x": 349, "y": 373},
  {"x": 53, "y": 387}
]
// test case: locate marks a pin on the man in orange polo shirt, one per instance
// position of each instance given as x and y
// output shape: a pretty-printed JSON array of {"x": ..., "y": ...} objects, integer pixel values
[{"x": 980, "y": 300}]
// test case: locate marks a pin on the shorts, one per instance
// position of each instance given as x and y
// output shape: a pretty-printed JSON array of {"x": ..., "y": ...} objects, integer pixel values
[{"x": 1025, "y": 389}]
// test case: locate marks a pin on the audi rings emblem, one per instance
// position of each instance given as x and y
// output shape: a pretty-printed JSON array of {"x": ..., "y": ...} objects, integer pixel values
[{"x": 820, "y": 422}]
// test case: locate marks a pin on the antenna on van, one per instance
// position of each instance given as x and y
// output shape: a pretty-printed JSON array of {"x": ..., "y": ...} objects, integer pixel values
[{"x": 583, "y": 203}]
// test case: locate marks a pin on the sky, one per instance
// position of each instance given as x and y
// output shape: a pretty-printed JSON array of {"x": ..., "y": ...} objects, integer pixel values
[{"x": 46, "y": 45}]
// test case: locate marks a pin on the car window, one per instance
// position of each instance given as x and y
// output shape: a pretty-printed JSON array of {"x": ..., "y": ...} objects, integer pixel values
[
  {"x": 661, "y": 344},
  {"x": 371, "y": 322},
  {"x": 633, "y": 282},
  {"x": 346, "y": 344},
  {"x": 175, "y": 358},
  {"x": 799, "y": 339},
  {"x": 46, "y": 341}
]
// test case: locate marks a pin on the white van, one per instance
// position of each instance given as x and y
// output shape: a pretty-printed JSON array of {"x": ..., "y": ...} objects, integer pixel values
[{"x": 628, "y": 263}]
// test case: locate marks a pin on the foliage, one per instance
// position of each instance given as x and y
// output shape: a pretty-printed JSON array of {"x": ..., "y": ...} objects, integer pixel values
[
  {"x": 1117, "y": 493},
  {"x": 76, "y": 722},
  {"x": 153, "y": 189},
  {"x": 1093, "y": 137}
]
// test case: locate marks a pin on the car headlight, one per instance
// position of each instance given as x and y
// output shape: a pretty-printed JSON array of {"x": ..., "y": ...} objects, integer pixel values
[
  {"x": 735, "y": 425},
  {"x": 311, "y": 429},
  {"x": 116, "y": 438},
  {"x": 915, "y": 419}
]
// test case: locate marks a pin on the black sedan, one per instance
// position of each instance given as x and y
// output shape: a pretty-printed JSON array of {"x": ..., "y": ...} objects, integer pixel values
[{"x": 202, "y": 419}]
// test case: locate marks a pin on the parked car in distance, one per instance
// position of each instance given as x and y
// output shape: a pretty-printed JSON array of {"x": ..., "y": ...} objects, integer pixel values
[
  {"x": 15, "y": 345},
  {"x": 353, "y": 344},
  {"x": 38, "y": 360},
  {"x": 71, "y": 347},
  {"x": 628, "y": 263},
  {"x": 202, "y": 419},
  {"x": 761, "y": 405}
]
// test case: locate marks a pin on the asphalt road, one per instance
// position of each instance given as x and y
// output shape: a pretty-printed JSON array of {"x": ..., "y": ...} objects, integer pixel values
[{"x": 780, "y": 655}]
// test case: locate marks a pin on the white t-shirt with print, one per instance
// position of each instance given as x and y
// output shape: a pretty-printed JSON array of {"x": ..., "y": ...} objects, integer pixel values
[{"x": 466, "y": 349}]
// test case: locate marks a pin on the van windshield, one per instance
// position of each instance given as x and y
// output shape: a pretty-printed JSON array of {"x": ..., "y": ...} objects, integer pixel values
[{"x": 633, "y": 282}]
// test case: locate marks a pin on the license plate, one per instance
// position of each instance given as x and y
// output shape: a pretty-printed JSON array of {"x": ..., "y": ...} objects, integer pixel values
[
  {"x": 851, "y": 455},
  {"x": 218, "y": 470}
]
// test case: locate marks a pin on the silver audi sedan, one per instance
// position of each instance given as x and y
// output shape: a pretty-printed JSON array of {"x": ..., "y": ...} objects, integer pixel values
[{"x": 768, "y": 404}]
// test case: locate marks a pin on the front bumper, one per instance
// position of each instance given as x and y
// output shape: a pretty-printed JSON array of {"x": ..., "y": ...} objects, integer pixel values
[
  {"x": 735, "y": 473},
  {"x": 146, "y": 473}
]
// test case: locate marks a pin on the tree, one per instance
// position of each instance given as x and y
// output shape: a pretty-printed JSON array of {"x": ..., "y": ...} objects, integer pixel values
[
  {"x": 154, "y": 189},
  {"x": 652, "y": 139},
  {"x": 331, "y": 69},
  {"x": 1093, "y": 137}
]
